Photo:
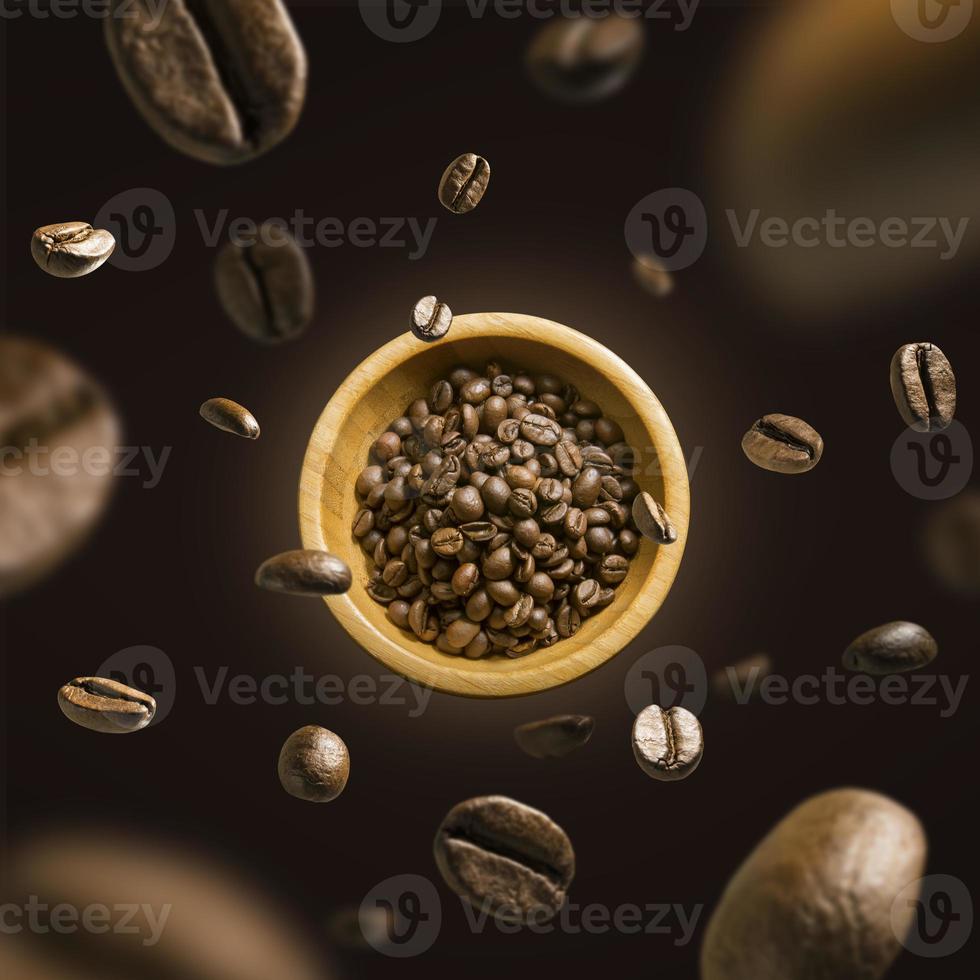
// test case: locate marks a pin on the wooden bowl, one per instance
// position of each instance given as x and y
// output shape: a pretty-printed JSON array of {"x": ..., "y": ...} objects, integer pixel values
[{"x": 381, "y": 389}]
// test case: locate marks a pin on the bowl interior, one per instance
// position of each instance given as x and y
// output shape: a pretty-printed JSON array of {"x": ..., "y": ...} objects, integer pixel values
[{"x": 382, "y": 388}]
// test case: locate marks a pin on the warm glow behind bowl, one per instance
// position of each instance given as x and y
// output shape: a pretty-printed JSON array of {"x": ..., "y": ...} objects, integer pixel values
[{"x": 381, "y": 388}]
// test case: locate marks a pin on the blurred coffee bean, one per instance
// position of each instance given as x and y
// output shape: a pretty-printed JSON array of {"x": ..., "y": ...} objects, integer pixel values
[
  {"x": 506, "y": 858},
  {"x": 71, "y": 248},
  {"x": 231, "y": 417},
  {"x": 667, "y": 745},
  {"x": 464, "y": 183},
  {"x": 585, "y": 59},
  {"x": 104, "y": 705},
  {"x": 814, "y": 900},
  {"x": 742, "y": 679},
  {"x": 952, "y": 543},
  {"x": 652, "y": 276},
  {"x": 171, "y": 906},
  {"x": 314, "y": 764},
  {"x": 431, "y": 319},
  {"x": 555, "y": 737},
  {"x": 266, "y": 286},
  {"x": 309, "y": 573},
  {"x": 47, "y": 406},
  {"x": 222, "y": 82},
  {"x": 357, "y": 928},
  {"x": 923, "y": 386},
  {"x": 782, "y": 444},
  {"x": 778, "y": 149},
  {"x": 652, "y": 521},
  {"x": 891, "y": 649}
]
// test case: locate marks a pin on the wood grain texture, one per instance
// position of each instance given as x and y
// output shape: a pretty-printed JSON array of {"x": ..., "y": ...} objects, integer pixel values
[{"x": 381, "y": 388}]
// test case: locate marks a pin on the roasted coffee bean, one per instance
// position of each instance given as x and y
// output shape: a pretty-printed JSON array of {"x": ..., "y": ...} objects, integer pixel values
[
  {"x": 668, "y": 745},
  {"x": 499, "y": 564},
  {"x": 652, "y": 276},
  {"x": 71, "y": 248},
  {"x": 891, "y": 649},
  {"x": 310, "y": 573},
  {"x": 555, "y": 737},
  {"x": 600, "y": 540},
  {"x": 583, "y": 59},
  {"x": 461, "y": 632},
  {"x": 502, "y": 591},
  {"x": 464, "y": 183},
  {"x": 465, "y": 579},
  {"x": 467, "y": 504},
  {"x": 652, "y": 521},
  {"x": 104, "y": 705},
  {"x": 475, "y": 392},
  {"x": 782, "y": 444},
  {"x": 585, "y": 488},
  {"x": 495, "y": 493},
  {"x": 121, "y": 886},
  {"x": 540, "y": 430},
  {"x": 368, "y": 478},
  {"x": 231, "y": 417},
  {"x": 586, "y": 595},
  {"x": 398, "y": 613},
  {"x": 478, "y": 606},
  {"x": 506, "y": 858},
  {"x": 569, "y": 458},
  {"x": 266, "y": 286},
  {"x": 46, "y": 401},
  {"x": 527, "y": 532},
  {"x": 314, "y": 764},
  {"x": 395, "y": 573},
  {"x": 221, "y": 82},
  {"x": 430, "y": 319},
  {"x": 952, "y": 543},
  {"x": 517, "y": 614},
  {"x": 447, "y": 541},
  {"x": 567, "y": 621},
  {"x": 923, "y": 386},
  {"x": 379, "y": 590},
  {"x": 612, "y": 569},
  {"x": 364, "y": 524},
  {"x": 817, "y": 899},
  {"x": 742, "y": 679},
  {"x": 541, "y": 586},
  {"x": 522, "y": 503},
  {"x": 629, "y": 543}
]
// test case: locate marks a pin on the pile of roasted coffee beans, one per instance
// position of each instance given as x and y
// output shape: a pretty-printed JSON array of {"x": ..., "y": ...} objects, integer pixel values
[{"x": 497, "y": 513}]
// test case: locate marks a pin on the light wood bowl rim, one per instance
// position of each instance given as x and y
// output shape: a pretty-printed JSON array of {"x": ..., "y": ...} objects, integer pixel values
[{"x": 500, "y": 677}]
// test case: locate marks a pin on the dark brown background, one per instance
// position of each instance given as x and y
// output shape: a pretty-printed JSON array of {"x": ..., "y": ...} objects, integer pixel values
[{"x": 793, "y": 566}]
